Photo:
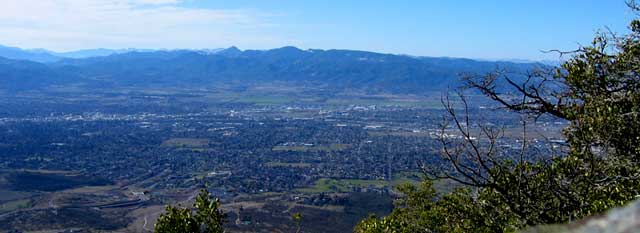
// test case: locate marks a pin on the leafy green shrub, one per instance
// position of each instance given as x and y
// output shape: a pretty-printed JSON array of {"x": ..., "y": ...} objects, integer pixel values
[{"x": 208, "y": 218}]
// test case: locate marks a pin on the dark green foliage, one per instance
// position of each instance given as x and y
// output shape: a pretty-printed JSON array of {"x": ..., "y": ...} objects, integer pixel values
[
  {"x": 177, "y": 219},
  {"x": 598, "y": 92},
  {"x": 420, "y": 210},
  {"x": 208, "y": 218}
]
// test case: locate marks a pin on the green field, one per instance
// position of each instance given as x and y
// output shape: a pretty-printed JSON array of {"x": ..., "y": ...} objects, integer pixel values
[
  {"x": 15, "y": 205},
  {"x": 269, "y": 94},
  {"x": 406, "y": 177},
  {"x": 265, "y": 100},
  {"x": 341, "y": 185},
  {"x": 328, "y": 185}
]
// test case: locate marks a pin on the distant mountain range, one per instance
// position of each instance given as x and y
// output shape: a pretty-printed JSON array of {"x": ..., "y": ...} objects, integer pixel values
[
  {"x": 332, "y": 69},
  {"x": 46, "y": 56},
  {"x": 37, "y": 55}
]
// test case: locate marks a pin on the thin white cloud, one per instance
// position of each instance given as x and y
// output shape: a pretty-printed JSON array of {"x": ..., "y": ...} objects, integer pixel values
[
  {"x": 74, "y": 24},
  {"x": 155, "y": 2}
]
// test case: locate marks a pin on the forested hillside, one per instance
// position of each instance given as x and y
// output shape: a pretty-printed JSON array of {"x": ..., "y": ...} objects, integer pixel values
[{"x": 335, "y": 69}]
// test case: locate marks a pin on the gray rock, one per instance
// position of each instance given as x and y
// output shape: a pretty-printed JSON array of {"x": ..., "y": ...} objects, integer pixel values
[{"x": 619, "y": 220}]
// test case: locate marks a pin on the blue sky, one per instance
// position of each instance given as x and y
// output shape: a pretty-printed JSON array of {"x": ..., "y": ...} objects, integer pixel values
[{"x": 490, "y": 29}]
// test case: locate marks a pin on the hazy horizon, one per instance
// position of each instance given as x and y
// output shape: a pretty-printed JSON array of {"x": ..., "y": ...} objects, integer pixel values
[
  {"x": 493, "y": 30},
  {"x": 58, "y": 52}
]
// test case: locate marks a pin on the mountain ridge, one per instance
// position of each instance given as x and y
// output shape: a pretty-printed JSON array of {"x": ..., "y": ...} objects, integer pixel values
[{"x": 334, "y": 68}]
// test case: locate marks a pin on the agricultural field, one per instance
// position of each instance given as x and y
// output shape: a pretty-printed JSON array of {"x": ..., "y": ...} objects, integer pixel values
[{"x": 328, "y": 185}]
